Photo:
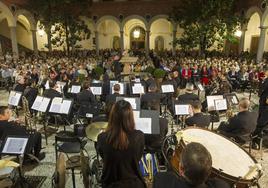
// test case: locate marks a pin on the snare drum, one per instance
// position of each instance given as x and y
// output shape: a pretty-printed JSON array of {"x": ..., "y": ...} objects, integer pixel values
[{"x": 230, "y": 162}]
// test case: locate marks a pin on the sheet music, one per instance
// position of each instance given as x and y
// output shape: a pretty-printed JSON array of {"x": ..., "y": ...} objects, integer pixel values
[
  {"x": 211, "y": 103},
  {"x": 37, "y": 103},
  {"x": 234, "y": 100},
  {"x": 65, "y": 106},
  {"x": 138, "y": 89},
  {"x": 96, "y": 90},
  {"x": 167, "y": 88},
  {"x": 56, "y": 105},
  {"x": 15, "y": 145},
  {"x": 221, "y": 104},
  {"x": 200, "y": 87},
  {"x": 132, "y": 101},
  {"x": 44, "y": 105},
  {"x": 14, "y": 98},
  {"x": 144, "y": 125},
  {"x": 137, "y": 80},
  {"x": 75, "y": 89},
  {"x": 182, "y": 109},
  {"x": 47, "y": 85}
]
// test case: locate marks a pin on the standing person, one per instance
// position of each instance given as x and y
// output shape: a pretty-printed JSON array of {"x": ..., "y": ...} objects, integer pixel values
[
  {"x": 262, "y": 122},
  {"x": 121, "y": 148}
]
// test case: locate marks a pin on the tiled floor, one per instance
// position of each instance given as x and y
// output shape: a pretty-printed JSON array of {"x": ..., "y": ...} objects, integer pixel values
[{"x": 47, "y": 166}]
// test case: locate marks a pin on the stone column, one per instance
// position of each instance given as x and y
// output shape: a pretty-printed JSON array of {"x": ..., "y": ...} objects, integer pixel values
[
  {"x": 97, "y": 42},
  {"x": 261, "y": 43},
  {"x": 13, "y": 36},
  {"x": 122, "y": 41},
  {"x": 242, "y": 41},
  {"x": 35, "y": 47},
  {"x": 147, "y": 42}
]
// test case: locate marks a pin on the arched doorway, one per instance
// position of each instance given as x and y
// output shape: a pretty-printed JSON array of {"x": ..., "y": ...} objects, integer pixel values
[
  {"x": 137, "y": 38},
  {"x": 116, "y": 43},
  {"x": 159, "y": 43}
]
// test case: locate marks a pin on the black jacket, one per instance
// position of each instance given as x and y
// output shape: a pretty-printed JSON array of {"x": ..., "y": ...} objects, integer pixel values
[
  {"x": 240, "y": 126},
  {"x": 30, "y": 94},
  {"x": 121, "y": 167},
  {"x": 188, "y": 98},
  {"x": 199, "y": 120},
  {"x": 51, "y": 93},
  {"x": 148, "y": 98},
  {"x": 171, "y": 180},
  {"x": 111, "y": 98}
]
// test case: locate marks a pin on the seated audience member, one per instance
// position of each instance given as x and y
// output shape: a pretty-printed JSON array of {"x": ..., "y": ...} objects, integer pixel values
[
  {"x": 198, "y": 119},
  {"x": 121, "y": 148},
  {"x": 112, "y": 97},
  {"x": 86, "y": 100},
  {"x": 20, "y": 85},
  {"x": 8, "y": 128},
  {"x": 192, "y": 172},
  {"x": 240, "y": 126},
  {"x": 189, "y": 96}
]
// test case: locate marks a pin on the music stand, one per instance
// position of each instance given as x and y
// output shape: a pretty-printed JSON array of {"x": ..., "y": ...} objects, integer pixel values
[
  {"x": 232, "y": 99},
  {"x": 148, "y": 122},
  {"x": 75, "y": 89},
  {"x": 96, "y": 90},
  {"x": 134, "y": 101},
  {"x": 41, "y": 104},
  {"x": 61, "y": 107},
  {"x": 16, "y": 146},
  {"x": 182, "y": 110},
  {"x": 137, "y": 89},
  {"x": 167, "y": 90},
  {"x": 212, "y": 109},
  {"x": 122, "y": 87},
  {"x": 14, "y": 98}
]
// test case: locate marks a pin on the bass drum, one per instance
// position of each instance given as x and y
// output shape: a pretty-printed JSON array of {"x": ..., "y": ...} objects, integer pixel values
[{"x": 230, "y": 162}]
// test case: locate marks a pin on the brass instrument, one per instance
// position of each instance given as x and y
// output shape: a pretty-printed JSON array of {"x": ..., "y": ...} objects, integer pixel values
[
  {"x": 30, "y": 121},
  {"x": 229, "y": 113}
]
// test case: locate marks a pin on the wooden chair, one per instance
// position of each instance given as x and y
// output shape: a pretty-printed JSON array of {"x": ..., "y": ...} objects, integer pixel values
[{"x": 59, "y": 177}]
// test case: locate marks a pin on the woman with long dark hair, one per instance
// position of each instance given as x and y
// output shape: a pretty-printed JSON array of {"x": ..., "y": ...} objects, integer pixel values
[{"x": 121, "y": 147}]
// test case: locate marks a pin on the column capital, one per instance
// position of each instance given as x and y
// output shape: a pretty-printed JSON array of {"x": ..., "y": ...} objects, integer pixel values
[{"x": 263, "y": 27}]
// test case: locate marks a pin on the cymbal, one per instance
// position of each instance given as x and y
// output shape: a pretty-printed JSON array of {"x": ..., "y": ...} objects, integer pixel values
[{"x": 94, "y": 129}]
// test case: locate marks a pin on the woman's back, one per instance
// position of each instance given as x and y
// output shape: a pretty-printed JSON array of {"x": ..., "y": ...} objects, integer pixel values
[{"x": 121, "y": 167}]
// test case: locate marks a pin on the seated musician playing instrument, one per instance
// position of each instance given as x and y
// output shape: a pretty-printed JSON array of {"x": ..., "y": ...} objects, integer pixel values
[
  {"x": 121, "y": 148},
  {"x": 198, "y": 119},
  {"x": 189, "y": 96},
  {"x": 112, "y": 97},
  {"x": 8, "y": 128},
  {"x": 240, "y": 126},
  {"x": 194, "y": 170}
]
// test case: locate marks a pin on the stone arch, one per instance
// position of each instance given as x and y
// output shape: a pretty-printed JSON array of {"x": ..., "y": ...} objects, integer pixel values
[
  {"x": 264, "y": 20},
  {"x": 103, "y": 18},
  {"x": 155, "y": 18},
  {"x": 140, "y": 18},
  {"x": 28, "y": 15},
  {"x": 8, "y": 14},
  {"x": 252, "y": 10}
]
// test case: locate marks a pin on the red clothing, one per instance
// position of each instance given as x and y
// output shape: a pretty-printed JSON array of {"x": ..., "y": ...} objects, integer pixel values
[
  {"x": 204, "y": 77},
  {"x": 186, "y": 73},
  {"x": 261, "y": 76}
]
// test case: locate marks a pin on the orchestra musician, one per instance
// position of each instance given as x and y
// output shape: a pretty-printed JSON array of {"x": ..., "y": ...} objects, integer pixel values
[
  {"x": 20, "y": 85},
  {"x": 152, "y": 96},
  {"x": 189, "y": 96},
  {"x": 86, "y": 100},
  {"x": 52, "y": 91},
  {"x": 198, "y": 119},
  {"x": 30, "y": 93},
  {"x": 111, "y": 98},
  {"x": 11, "y": 128},
  {"x": 121, "y": 147},
  {"x": 262, "y": 122},
  {"x": 193, "y": 173},
  {"x": 240, "y": 126}
]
